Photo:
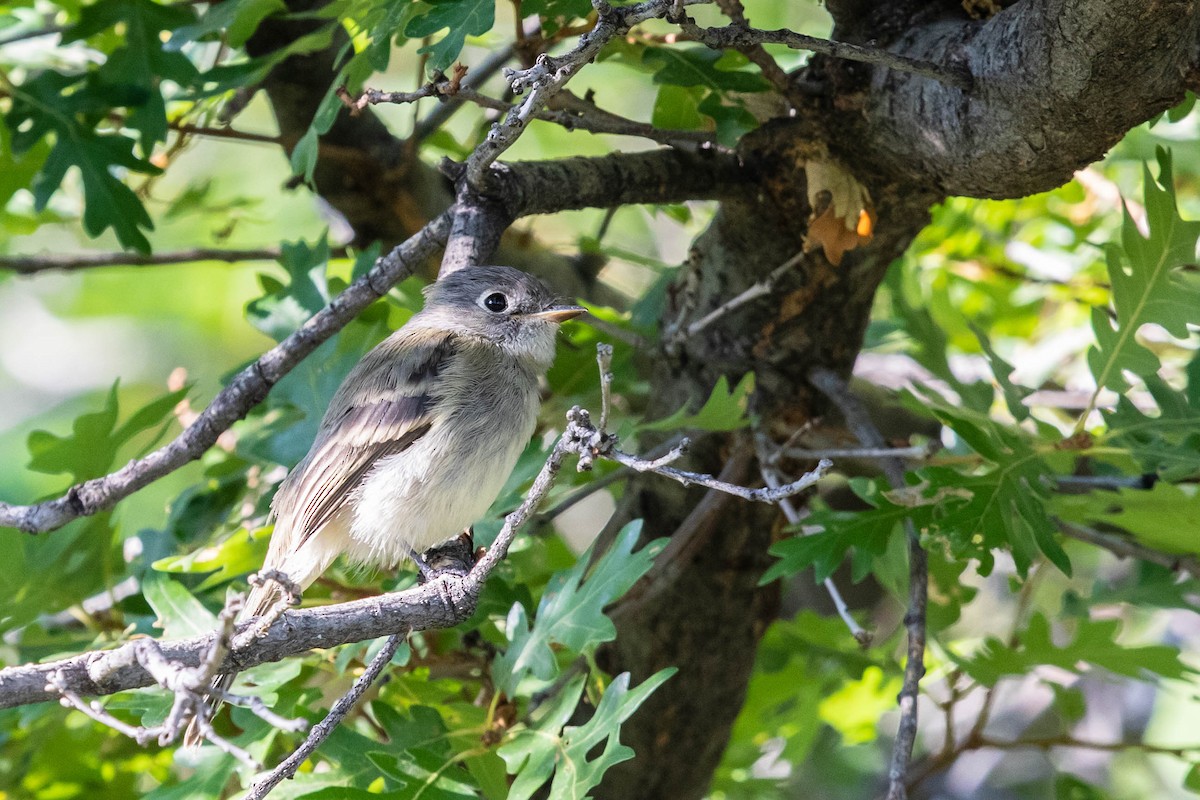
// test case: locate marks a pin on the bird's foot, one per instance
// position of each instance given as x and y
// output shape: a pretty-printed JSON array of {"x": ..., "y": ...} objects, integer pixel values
[{"x": 454, "y": 557}]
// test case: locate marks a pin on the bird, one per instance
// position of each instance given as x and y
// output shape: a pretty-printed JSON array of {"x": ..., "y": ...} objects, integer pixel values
[{"x": 421, "y": 436}]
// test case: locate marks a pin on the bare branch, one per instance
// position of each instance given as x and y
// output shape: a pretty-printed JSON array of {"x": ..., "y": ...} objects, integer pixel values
[
  {"x": 1126, "y": 547},
  {"x": 321, "y": 731},
  {"x": 225, "y": 133},
  {"x": 476, "y": 77},
  {"x": 757, "y": 53},
  {"x": 742, "y": 37},
  {"x": 604, "y": 356},
  {"x": 759, "y": 289},
  {"x": 860, "y": 634},
  {"x": 232, "y": 403},
  {"x": 445, "y": 601},
  {"x": 187, "y": 683},
  {"x": 767, "y": 494},
  {"x": 439, "y": 86},
  {"x": 551, "y": 73},
  {"x": 591, "y": 487},
  {"x": 524, "y": 188},
  {"x": 916, "y": 452},
  {"x": 29, "y": 265},
  {"x": 50, "y": 30},
  {"x": 859, "y": 422},
  {"x": 574, "y": 113}
]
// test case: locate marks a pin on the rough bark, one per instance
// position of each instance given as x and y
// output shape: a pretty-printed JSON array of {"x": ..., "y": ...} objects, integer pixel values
[{"x": 1056, "y": 84}]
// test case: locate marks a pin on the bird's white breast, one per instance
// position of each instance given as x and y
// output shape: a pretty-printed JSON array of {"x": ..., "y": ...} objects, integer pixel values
[{"x": 448, "y": 478}]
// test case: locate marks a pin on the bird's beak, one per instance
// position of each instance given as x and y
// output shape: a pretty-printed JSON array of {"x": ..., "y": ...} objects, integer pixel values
[{"x": 560, "y": 313}]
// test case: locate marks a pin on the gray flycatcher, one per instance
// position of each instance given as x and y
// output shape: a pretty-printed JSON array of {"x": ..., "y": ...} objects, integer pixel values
[{"x": 422, "y": 434}]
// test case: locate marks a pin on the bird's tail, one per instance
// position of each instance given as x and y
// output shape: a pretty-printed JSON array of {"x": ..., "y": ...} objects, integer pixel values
[{"x": 262, "y": 598}]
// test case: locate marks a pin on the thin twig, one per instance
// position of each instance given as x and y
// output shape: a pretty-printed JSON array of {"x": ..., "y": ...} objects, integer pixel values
[
  {"x": 439, "y": 86},
  {"x": 760, "y": 289},
  {"x": 1051, "y": 742},
  {"x": 604, "y": 356},
  {"x": 741, "y": 37},
  {"x": 188, "y": 684},
  {"x": 916, "y": 452},
  {"x": 225, "y": 133},
  {"x": 28, "y": 265},
  {"x": 551, "y": 73},
  {"x": 860, "y": 634},
  {"x": 595, "y": 485},
  {"x": 321, "y": 731},
  {"x": 758, "y": 54},
  {"x": 859, "y": 422},
  {"x": 977, "y": 741},
  {"x": 475, "y": 78},
  {"x": 574, "y": 113},
  {"x": 263, "y": 712},
  {"x": 1126, "y": 547},
  {"x": 765, "y": 494}
]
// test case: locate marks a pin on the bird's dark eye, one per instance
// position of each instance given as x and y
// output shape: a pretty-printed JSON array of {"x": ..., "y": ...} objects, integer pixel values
[{"x": 495, "y": 302}]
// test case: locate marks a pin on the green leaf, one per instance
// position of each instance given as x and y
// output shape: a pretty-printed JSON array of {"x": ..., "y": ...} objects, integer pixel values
[
  {"x": 179, "y": 613},
  {"x": 1149, "y": 284},
  {"x": 1165, "y": 517},
  {"x": 1014, "y": 395},
  {"x": 237, "y": 18},
  {"x": 304, "y": 156},
  {"x": 239, "y": 554},
  {"x": 854, "y": 710},
  {"x": 571, "y": 612},
  {"x": 843, "y": 531},
  {"x": 1004, "y": 506},
  {"x": 284, "y": 309},
  {"x": 724, "y": 410},
  {"x": 572, "y": 754},
  {"x": 1094, "y": 642},
  {"x": 555, "y": 14},
  {"x": 463, "y": 18},
  {"x": 1068, "y": 787},
  {"x": 678, "y": 108},
  {"x": 698, "y": 66},
  {"x": 95, "y": 437},
  {"x": 1167, "y": 442}
]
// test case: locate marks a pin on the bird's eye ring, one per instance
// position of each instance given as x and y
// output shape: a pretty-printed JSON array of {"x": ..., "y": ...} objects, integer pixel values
[{"x": 496, "y": 303}]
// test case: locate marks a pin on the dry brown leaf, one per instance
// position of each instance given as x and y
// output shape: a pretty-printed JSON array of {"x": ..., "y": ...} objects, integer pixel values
[
  {"x": 828, "y": 233},
  {"x": 847, "y": 219}
]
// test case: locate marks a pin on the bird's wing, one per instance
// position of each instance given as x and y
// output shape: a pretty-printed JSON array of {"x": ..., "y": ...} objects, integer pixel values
[{"x": 384, "y": 406}]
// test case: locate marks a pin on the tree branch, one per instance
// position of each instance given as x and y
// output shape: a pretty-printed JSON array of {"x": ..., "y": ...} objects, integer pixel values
[
  {"x": 29, "y": 265},
  {"x": 1105, "y": 65},
  {"x": 741, "y": 37},
  {"x": 659, "y": 176},
  {"x": 247, "y": 389},
  {"x": 859, "y": 422},
  {"x": 1126, "y": 547},
  {"x": 550, "y": 74},
  {"x": 447, "y": 600},
  {"x": 225, "y": 133},
  {"x": 322, "y": 730},
  {"x": 50, "y": 30}
]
